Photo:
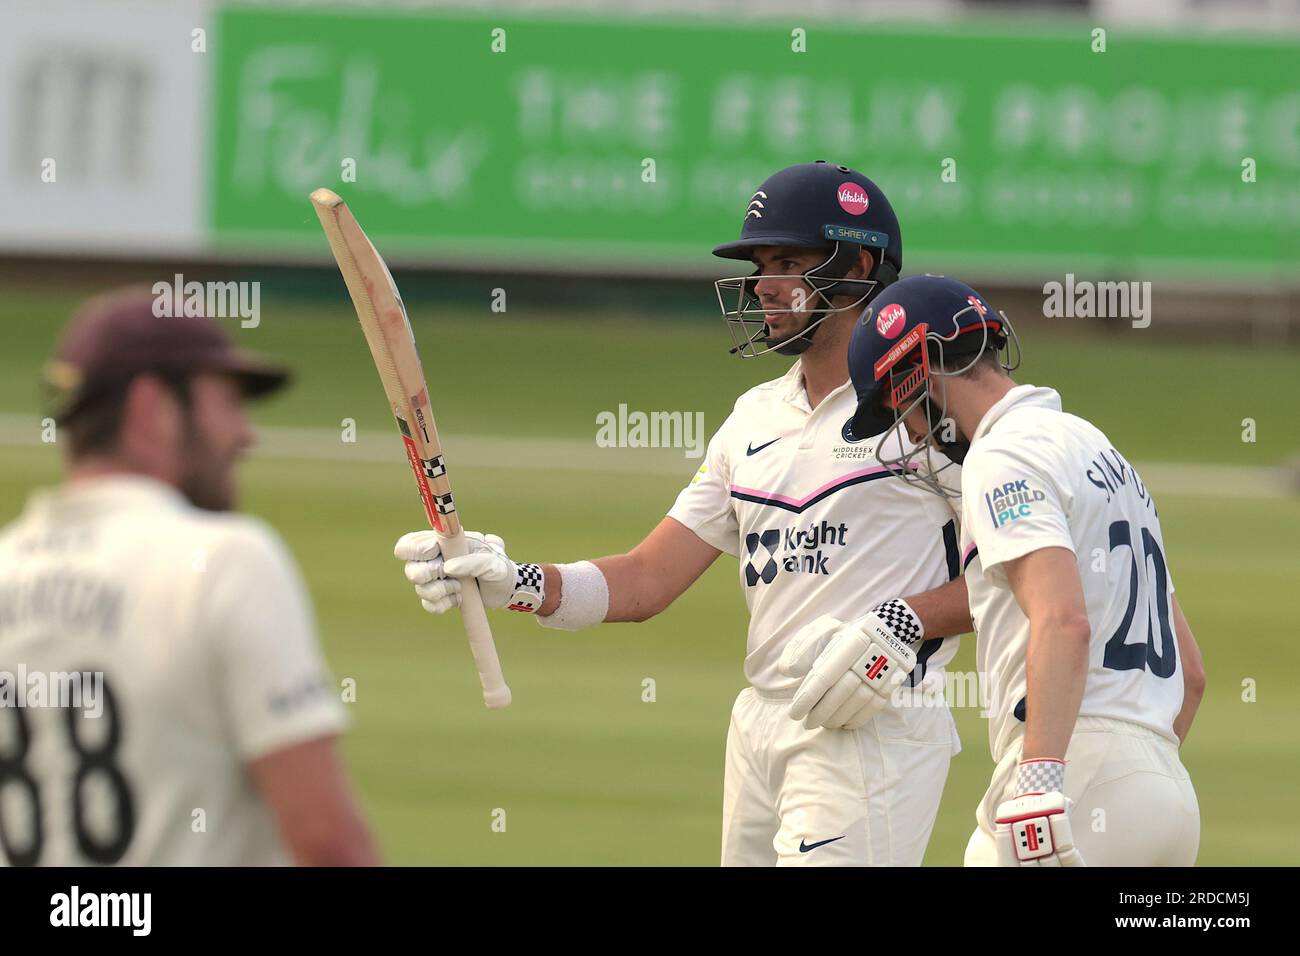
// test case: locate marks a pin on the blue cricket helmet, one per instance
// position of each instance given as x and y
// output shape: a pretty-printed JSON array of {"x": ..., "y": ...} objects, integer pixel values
[
  {"x": 818, "y": 204},
  {"x": 909, "y": 333},
  {"x": 815, "y": 206}
]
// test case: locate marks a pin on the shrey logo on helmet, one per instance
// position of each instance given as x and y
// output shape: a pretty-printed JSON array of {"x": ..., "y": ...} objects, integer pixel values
[
  {"x": 853, "y": 198},
  {"x": 891, "y": 320}
]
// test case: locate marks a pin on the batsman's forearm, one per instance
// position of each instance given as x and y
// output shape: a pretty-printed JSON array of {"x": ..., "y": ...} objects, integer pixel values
[
  {"x": 630, "y": 595},
  {"x": 645, "y": 580},
  {"x": 634, "y": 594},
  {"x": 945, "y": 610},
  {"x": 1056, "y": 669}
]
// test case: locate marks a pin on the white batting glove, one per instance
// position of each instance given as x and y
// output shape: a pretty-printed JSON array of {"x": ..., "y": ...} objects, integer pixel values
[
  {"x": 501, "y": 582},
  {"x": 1033, "y": 829},
  {"x": 850, "y": 670}
]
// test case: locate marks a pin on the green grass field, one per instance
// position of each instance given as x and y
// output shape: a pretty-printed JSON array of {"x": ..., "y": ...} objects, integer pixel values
[{"x": 586, "y": 772}]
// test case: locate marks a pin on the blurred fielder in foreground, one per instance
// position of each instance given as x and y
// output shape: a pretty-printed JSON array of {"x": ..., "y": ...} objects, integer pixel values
[
  {"x": 823, "y": 535},
  {"x": 206, "y": 725},
  {"x": 1095, "y": 675}
]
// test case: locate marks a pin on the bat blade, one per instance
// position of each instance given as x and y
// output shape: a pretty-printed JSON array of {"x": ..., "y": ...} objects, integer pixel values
[{"x": 387, "y": 329}]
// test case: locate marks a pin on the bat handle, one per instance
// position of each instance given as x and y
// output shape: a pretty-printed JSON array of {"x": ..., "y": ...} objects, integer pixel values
[{"x": 496, "y": 694}]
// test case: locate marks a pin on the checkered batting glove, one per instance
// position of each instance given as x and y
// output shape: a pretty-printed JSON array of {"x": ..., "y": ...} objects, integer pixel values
[
  {"x": 529, "y": 590},
  {"x": 849, "y": 670},
  {"x": 897, "y": 615},
  {"x": 1033, "y": 829},
  {"x": 501, "y": 582}
]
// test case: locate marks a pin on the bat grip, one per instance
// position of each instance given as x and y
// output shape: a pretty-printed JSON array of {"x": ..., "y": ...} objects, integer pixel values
[{"x": 496, "y": 694}]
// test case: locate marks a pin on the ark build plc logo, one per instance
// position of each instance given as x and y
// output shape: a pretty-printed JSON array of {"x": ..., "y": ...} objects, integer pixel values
[
  {"x": 794, "y": 550},
  {"x": 1011, "y": 501}
]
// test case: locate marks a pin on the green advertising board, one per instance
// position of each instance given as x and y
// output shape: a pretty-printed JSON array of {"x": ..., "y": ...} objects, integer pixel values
[{"x": 617, "y": 144}]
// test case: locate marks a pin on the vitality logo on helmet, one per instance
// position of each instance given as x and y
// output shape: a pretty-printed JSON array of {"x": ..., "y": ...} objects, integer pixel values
[
  {"x": 890, "y": 320},
  {"x": 853, "y": 199}
]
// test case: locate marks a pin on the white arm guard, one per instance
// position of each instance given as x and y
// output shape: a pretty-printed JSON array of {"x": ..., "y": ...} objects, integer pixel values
[{"x": 584, "y": 597}]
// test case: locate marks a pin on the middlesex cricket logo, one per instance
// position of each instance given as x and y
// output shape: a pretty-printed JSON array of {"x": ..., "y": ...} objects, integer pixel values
[
  {"x": 1011, "y": 501},
  {"x": 756, "y": 206}
]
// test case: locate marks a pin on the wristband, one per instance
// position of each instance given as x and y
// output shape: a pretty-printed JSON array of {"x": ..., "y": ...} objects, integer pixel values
[
  {"x": 1040, "y": 775},
  {"x": 584, "y": 597}
]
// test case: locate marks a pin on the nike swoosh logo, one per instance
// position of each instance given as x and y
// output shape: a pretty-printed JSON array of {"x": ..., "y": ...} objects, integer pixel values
[
  {"x": 751, "y": 450},
  {"x": 805, "y": 847}
]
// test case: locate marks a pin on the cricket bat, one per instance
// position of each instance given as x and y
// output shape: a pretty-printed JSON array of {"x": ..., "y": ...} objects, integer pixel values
[{"x": 392, "y": 344}]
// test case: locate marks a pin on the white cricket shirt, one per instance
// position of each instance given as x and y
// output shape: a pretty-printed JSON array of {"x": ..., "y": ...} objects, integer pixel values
[
  {"x": 819, "y": 527},
  {"x": 1037, "y": 477},
  {"x": 202, "y": 630}
]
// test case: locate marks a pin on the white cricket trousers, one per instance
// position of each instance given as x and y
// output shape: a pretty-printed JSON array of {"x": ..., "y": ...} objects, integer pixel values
[
  {"x": 867, "y": 797},
  {"x": 1133, "y": 801}
]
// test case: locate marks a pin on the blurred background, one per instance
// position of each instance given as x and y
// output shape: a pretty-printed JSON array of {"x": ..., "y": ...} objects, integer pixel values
[{"x": 545, "y": 180}]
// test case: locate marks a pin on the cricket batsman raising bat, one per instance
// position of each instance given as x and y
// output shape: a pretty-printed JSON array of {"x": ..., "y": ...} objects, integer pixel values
[
  {"x": 388, "y": 333},
  {"x": 851, "y": 575}
]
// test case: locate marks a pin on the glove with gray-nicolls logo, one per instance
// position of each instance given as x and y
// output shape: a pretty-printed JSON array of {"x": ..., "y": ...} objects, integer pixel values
[
  {"x": 849, "y": 670},
  {"x": 1033, "y": 829}
]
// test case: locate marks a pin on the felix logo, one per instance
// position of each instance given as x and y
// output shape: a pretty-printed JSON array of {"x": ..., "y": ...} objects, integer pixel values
[
  {"x": 853, "y": 198},
  {"x": 890, "y": 321}
]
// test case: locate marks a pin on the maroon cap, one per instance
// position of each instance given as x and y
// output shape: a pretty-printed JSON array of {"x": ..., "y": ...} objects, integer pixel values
[{"x": 115, "y": 336}]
